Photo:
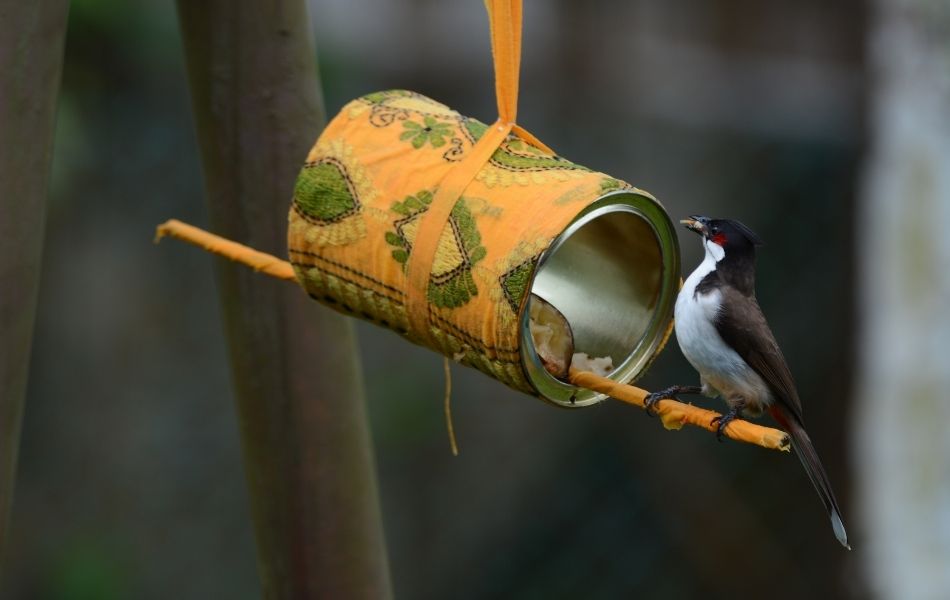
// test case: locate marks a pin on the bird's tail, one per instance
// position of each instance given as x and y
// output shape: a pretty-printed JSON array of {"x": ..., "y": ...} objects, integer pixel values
[{"x": 809, "y": 458}]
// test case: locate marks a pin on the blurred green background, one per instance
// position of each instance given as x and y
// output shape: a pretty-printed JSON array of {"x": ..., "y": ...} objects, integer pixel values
[{"x": 130, "y": 482}]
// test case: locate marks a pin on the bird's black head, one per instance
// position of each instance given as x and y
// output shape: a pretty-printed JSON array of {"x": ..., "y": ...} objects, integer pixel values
[
  {"x": 732, "y": 245},
  {"x": 729, "y": 234}
]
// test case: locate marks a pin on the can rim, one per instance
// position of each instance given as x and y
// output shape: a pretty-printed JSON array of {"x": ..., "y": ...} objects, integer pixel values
[{"x": 646, "y": 207}]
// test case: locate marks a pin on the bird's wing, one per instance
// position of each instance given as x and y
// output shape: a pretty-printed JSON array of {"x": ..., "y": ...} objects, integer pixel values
[{"x": 743, "y": 327}]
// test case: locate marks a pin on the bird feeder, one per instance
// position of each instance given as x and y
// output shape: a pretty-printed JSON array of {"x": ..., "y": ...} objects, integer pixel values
[
  {"x": 441, "y": 228},
  {"x": 375, "y": 232}
]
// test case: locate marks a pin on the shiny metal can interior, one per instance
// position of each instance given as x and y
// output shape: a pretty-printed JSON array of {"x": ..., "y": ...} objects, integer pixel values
[{"x": 614, "y": 273}]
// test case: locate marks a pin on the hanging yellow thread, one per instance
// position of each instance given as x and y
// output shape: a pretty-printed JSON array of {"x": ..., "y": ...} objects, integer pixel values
[{"x": 448, "y": 407}]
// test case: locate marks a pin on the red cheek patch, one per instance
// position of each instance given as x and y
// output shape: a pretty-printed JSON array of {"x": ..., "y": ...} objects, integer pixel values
[{"x": 719, "y": 238}]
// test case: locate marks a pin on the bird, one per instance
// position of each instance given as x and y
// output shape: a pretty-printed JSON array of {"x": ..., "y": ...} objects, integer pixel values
[{"x": 722, "y": 332}]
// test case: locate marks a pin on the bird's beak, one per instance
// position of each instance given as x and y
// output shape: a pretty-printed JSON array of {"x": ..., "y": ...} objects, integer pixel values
[{"x": 696, "y": 223}]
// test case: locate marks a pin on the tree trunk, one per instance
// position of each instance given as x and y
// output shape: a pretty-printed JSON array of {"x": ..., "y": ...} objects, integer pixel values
[
  {"x": 31, "y": 60},
  {"x": 306, "y": 443},
  {"x": 902, "y": 448}
]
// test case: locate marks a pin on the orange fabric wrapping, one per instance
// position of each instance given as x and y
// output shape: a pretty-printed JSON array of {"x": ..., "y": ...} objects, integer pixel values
[
  {"x": 504, "y": 17},
  {"x": 358, "y": 209},
  {"x": 432, "y": 223}
]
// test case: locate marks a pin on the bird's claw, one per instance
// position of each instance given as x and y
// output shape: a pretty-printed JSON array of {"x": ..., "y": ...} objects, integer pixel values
[
  {"x": 649, "y": 403},
  {"x": 723, "y": 421}
]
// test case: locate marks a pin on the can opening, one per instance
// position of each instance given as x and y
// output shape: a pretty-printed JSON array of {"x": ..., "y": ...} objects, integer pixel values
[{"x": 614, "y": 274}]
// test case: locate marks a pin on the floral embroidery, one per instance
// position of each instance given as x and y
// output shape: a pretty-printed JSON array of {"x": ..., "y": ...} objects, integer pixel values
[
  {"x": 459, "y": 248},
  {"x": 330, "y": 196},
  {"x": 430, "y": 131}
]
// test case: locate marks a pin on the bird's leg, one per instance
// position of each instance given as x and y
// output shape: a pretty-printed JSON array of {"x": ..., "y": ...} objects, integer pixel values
[
  {"x": 731, "y": 415},
  {"x": 671, "y": 392}
]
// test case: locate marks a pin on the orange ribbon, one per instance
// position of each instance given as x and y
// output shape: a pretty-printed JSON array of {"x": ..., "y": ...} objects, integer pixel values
[{"x": 504, "y": 17}]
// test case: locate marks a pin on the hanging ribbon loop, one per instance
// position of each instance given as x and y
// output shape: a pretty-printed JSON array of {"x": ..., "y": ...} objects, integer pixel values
[
  {"x": 433, "y": 222},
  {"x": 504, "y": 19}
]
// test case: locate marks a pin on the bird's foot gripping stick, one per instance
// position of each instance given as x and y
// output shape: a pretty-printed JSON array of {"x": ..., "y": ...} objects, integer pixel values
[
  {"x": 723, "y": 420},
  {"x": 670, "y": 393},
  {"x": 675, "y": 414}
]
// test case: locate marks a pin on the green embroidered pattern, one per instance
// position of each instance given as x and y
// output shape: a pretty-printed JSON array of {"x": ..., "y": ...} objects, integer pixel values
[
  {"x": 391, "y": 106},
  {"x": 430, "y": 130},
  {"x": 410, "y": 208},
  {"x": 451, "y": 283},
  {"x": 475, "y": 129},
  {"x": 514, "y": 282},
  {"x": 513, "y": 272},
  {"x": 516, "y": 155},
  {"x": 324, "y": 192},
  {"x": 609, "y": 184},
  {"x": 381, "y": 97}
]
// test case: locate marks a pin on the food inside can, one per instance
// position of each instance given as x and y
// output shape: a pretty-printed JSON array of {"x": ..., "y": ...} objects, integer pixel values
[{"x": 554, "y": 342}]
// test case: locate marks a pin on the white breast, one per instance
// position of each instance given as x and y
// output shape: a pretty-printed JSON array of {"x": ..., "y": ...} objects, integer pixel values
[{"x": 719, "y": 366}]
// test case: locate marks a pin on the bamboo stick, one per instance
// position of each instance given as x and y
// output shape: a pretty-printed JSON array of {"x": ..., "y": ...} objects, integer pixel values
[
  {"x": 675, "y": 414},
  {"x": 298, "y": 383},
  {"x": 215, "y": 244},
  {"x": 32, "y": 35}
]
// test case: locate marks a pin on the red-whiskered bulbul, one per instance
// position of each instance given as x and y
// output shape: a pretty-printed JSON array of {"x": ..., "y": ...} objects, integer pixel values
[{"x": 722, "y": 332}]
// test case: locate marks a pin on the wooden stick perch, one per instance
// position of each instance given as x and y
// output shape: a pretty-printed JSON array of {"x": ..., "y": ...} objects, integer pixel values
[
  {"x": 672, "y": 413},
  {"x": 259, "y": 261},
  {"x": 675, "y": 414}
]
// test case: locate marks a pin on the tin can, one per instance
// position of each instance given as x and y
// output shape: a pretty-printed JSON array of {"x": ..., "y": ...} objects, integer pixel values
[{"x": 601, "y": 251}]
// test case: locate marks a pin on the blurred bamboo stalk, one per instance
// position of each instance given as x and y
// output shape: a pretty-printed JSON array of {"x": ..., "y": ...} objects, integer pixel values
[
  {"x": 307, "y": 450},
  {"x": 901, "y": 452},
  {"x": 32, "y": 35}
]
